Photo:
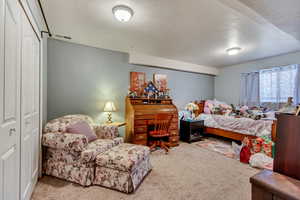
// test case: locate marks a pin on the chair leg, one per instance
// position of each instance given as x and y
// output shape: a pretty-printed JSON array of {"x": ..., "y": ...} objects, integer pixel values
[
  {"x": 164, "y": 146},
  {"x": 153, "y": 146},
  {"x": 168, "y": 144}
]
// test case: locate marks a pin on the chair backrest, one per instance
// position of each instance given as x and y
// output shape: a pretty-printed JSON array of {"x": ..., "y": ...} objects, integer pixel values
[
  {"x": 161, "y": 123},
  {"x": 60, "y": 124}
]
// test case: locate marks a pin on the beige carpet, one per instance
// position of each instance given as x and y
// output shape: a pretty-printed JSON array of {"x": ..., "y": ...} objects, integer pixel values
[{"x": 188, "y": 172}]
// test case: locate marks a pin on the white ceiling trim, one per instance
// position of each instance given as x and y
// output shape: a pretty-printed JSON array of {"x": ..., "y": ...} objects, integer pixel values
[{"x": 154, "y": 61}]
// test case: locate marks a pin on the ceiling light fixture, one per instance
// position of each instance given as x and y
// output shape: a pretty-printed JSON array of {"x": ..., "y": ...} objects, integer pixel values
[
  {"x": 233, "y": 51},
  {"x": 122, "y": 13}
]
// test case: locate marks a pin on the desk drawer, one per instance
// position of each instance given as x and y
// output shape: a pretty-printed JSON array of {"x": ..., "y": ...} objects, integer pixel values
[
  {"x": 174, "y": 139},
  {"x": 140, "y": 142},
  {"x": 173, "y": 126},
  {"x": 138, "y": 137},
  {"x": 173, "y": 132},
  {"x": 145, "y": 116},
  {"x": 140, "y": 129},
  {"x": 175, "y": 120},
  {"x": 140, "y": 122}
]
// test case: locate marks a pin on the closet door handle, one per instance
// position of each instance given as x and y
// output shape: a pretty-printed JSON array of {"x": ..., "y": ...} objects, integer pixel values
[{"x": 12, "y": 131}]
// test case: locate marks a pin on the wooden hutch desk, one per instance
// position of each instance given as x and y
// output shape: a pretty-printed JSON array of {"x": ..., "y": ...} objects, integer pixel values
[{"x": 141, "y": 110}]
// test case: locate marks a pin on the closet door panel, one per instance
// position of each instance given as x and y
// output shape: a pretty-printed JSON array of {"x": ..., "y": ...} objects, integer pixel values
[
  {"x": 30, "y": 109},
  {"x": 10, "y": 81},
  {"x": 35, "y": 155},
  {"x": 9, "y": 166},
  {"x": 36, "y": 109},
  {"x": 9, "y": 99},
  {"x": 27, "y": 107},
  {"x": 26, "y": 166}
]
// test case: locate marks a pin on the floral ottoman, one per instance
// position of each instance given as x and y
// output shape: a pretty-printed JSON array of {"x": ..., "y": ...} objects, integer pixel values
[{"x": 123, "y": 167}]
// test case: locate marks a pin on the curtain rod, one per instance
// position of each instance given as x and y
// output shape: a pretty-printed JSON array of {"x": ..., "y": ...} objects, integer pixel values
[
  {"x": 270, "y": 68},
  {"x": 45, "y": 20}
]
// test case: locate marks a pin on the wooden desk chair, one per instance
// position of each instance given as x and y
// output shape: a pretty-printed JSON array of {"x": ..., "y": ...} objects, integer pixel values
[{"x": 160, "y": 131}]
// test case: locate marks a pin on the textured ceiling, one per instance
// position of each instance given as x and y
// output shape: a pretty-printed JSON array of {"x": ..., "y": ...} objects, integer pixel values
[
  {"x": 285, "y": 14},
  {"x": 195, "y": 31}
]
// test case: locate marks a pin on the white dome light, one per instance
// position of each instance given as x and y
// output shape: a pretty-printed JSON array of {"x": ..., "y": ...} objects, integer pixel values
[
  {"x": 122, "y": 13},
  {"x": 233, "y": 51}
]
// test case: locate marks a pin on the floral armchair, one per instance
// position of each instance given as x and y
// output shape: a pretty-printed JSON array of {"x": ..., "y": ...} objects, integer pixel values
[{"x": 70, "y": 156}]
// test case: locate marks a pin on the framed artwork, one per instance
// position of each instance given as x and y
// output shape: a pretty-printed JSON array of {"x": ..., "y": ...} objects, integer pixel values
[
  {"x": 137, "y": 82},
  {"x": 160, "y": 81}
]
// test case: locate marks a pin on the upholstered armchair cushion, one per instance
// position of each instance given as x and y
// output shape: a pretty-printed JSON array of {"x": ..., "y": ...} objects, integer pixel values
[
  {"x": 61, "y": 124},
  {"x": 66, "y": 141},
  {"x": 89, "y": 153},
  {"x": 124, "y": 157},
  {"x": 94, "y": 148},
  {"x": 118, "y": 140},
  {"x": 106, "y": 131}
]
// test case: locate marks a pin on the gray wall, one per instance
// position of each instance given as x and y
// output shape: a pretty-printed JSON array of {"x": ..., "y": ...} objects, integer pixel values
[
  {"x": 227, "y": 83},
  {"x": 81, "y": 79}
]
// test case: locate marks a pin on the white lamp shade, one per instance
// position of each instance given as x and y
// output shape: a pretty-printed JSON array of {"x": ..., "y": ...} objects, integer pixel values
[{"x": 109, "y": 107}]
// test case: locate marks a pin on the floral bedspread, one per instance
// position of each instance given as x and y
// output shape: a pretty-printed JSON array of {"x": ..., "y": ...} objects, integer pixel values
[{"x": 245, "y": 126}]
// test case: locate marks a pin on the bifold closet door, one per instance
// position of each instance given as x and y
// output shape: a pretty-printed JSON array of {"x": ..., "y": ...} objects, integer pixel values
[
  {"x": 9, "y": 99},
  {"x": 30, "y": 65}
]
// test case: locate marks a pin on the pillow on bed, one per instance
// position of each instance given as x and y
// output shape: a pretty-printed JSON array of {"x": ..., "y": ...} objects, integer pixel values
[
  {"x": 209, "y": 106},
  {"x": 207, "y": 110}
]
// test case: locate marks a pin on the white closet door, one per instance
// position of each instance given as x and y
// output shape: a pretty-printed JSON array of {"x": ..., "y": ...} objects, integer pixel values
[
  {"x": 29, "y": 109},
  {"x": 9, "y": 99}
]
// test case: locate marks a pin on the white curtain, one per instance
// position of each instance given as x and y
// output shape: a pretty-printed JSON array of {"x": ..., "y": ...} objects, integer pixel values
[
  {"x": 279, "y": 83},
  {"x": 297, "y": 86},
  {"x": 250, "y": 89}
]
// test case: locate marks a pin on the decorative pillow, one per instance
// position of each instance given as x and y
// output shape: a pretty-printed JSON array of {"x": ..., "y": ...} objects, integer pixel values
[
  {"x": 208, "y": 106},
  {"x": 207, "y": 110},
  {"x": 82, "y": 128}
]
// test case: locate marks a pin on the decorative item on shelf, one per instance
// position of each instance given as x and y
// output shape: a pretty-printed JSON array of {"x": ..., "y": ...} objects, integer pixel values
[
  {"x": 156, "y": 89},
  {"x": 192, "y": 107},
  {"x": 137, "y": 83},
  {"x": 288, "y": 107},
  {"x": 166, "y": 93},
  {"x": 109, "y": 108},
  {"x": 160, "y": 95},
  {"x": 160, "y": 81},
  {"x": 132, "y": 94},
  {"x": 151, "y": 91}
]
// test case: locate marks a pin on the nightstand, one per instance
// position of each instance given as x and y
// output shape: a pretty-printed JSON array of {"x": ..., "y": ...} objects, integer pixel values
[
  {"x": 118, "y": 124},
  {"x": 121, "y": 126},
  {"x": 191, "y": 131}
]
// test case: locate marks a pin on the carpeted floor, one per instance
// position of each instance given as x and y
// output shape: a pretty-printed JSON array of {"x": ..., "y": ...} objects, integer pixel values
[{"x": 188, "y": 172}]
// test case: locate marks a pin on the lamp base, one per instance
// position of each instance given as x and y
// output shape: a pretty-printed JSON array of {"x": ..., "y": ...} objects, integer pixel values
[{"x": 109, "y": 118}]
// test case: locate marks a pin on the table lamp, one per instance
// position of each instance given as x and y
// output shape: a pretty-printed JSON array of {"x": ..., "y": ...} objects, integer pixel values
[{"x": 109, "y": 107}]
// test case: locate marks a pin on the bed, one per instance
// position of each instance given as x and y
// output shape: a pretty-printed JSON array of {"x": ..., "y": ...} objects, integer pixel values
[{"x": 212, "y": 127}]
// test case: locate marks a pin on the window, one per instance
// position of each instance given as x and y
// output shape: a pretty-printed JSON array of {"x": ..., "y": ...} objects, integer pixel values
[{"x": 277, "y": 84}]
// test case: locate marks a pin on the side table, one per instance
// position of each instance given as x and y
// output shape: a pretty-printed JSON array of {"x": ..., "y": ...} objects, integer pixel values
[
  {"x": 191, "y": 131},
  {"x": 118, "y": 124}
]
